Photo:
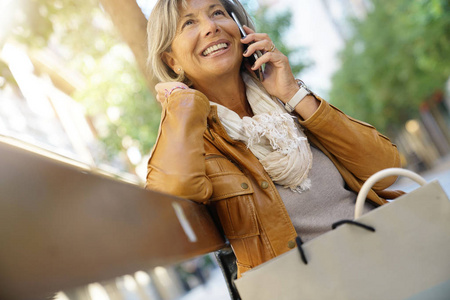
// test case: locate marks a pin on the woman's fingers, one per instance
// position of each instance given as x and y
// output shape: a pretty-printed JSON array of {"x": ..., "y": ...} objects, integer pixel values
[
  {"x": 263, "y": 46},
  {"x": 277, "y": 59},
  {"x": 259, "y": 41},
  {"x": 165, "y": 89},
  {"x": 278, "y": 78}
]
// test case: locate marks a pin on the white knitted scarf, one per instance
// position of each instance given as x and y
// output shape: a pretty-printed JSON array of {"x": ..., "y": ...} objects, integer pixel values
[{"x": 272, "y": 136}]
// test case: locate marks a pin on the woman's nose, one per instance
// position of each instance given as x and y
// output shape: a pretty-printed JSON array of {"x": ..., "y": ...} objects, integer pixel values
[{"x": 210, "y": 28}]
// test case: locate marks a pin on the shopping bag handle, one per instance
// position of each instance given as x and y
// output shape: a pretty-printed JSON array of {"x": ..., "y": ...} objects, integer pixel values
[{"x": 377, "y": 177}]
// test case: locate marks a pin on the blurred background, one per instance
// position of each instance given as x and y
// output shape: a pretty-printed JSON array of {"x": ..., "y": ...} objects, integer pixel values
[{"x": 74, "y": 80}]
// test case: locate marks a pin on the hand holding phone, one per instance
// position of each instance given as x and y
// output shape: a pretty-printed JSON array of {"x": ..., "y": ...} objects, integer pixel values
[{"x": 251, "y": 59}]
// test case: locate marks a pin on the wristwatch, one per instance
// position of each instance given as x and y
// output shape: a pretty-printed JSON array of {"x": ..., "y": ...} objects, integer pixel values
[{"x": 298, "y": 97}]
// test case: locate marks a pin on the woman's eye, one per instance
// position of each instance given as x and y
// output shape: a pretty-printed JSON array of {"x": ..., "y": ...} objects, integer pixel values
[
  {"x": 187, "y": 23},
  {"x": 218, "y": 12}
]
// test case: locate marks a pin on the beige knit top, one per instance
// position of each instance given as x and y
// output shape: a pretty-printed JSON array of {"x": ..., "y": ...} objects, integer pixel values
[{"x": 312, "y": 212}]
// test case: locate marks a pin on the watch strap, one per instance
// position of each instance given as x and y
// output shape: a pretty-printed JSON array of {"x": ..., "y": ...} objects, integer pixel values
[{"x": 298, "y": 97}]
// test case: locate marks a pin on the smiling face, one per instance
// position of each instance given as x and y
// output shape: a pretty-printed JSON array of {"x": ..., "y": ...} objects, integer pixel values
[{"x": 207, "y": 43}]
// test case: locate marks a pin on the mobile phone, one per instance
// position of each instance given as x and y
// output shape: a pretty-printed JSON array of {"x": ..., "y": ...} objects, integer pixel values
[{"x": 251, "y": 59}]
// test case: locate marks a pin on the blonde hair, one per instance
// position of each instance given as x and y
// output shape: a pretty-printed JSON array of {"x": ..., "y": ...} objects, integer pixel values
[{"x": 162, "y": 28}]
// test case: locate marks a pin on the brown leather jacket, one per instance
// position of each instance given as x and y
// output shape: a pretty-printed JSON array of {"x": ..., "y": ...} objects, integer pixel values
[{"x": 194, "y": 158}]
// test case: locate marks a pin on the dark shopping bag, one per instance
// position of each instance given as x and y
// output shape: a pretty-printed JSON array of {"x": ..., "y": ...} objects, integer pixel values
[{"x": 407, "y": 256}]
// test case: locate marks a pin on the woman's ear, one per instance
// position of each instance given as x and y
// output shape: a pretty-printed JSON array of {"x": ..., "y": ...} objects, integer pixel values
[{"x": 168, "y": 58}]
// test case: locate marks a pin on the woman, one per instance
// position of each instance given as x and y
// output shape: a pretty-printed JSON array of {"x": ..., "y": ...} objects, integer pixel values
[{"x": 228, "y": 141}]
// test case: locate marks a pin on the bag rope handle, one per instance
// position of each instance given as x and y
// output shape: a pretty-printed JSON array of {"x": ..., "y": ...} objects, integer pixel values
[
  {"x": 377, "y": 177},
  {"x": 362, "y": 198}
]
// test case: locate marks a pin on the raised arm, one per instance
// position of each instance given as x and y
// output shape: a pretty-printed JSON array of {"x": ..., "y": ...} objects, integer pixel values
[{"x": 177, "y": 162}]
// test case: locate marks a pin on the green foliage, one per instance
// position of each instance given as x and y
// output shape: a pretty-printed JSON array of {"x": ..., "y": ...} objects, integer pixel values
[
  {"x": 276, "y": 25},
  {"x": 398, "y": 57},
  {"x": 117, "y": 89},
  {"x": 116, "y": 96},
  {"x": 66, "y": 20},
  {"x": 83, "y": 35}
]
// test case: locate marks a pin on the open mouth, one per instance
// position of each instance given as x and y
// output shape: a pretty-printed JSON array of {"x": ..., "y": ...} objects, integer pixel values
[{"x": 215, "y": 49}]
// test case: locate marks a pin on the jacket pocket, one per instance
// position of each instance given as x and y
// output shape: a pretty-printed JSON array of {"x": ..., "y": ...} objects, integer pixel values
[
  {"x": 237, "y": 214},
  {"x": 232, "y": 198}
]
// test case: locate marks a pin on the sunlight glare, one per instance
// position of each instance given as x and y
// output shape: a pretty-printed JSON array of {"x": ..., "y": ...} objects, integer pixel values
[
  {"x": 60, "y": 296},
  {"x": 97, "y": 292},
  {"x": 142, "y": 278},
  {"x": 130, "y": 283},
  {"x": 412, "y": 126}
]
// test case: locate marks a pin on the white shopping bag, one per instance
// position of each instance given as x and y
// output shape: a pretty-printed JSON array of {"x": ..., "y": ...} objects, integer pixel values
[{"x": 406, "y": 257}]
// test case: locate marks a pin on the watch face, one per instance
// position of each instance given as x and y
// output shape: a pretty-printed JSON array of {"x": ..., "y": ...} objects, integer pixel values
[{"x": 301, "y": 84}]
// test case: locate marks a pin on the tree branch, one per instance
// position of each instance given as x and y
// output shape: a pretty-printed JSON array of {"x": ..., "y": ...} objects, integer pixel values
[{"x": 131, "y": 24}]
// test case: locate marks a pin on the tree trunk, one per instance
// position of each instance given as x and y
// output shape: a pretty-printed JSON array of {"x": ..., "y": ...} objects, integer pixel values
[{"x": 131, "y": 24}]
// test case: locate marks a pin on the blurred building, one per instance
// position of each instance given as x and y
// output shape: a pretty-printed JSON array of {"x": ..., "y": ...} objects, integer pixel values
[
  {"x": 36, "y": 108},
  {"x": 424, "y": 141}
]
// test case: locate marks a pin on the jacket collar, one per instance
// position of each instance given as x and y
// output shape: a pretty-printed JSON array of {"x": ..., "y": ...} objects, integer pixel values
[{"x": 214, "y": 124}]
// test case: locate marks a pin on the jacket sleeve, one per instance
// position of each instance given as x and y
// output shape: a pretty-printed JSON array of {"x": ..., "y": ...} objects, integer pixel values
[
  {"x": 177, "y": 162},
  {"x": 358, "y": 146}
]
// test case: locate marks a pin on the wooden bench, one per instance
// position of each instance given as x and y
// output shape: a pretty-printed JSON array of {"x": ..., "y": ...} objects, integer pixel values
[{"x": 63, "y": 225}]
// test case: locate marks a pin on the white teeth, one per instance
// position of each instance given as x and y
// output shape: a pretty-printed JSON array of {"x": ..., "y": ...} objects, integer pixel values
[{"x": 214, "y": 48}]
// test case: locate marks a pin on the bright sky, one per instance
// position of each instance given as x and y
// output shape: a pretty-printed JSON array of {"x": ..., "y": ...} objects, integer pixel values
[{"x": 312, "y": 30}]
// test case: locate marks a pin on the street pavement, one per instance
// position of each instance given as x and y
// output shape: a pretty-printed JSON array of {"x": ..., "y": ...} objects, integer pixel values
[
  {"x": 214, "y": 289},
  {"x": 440, "y": 172}
]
